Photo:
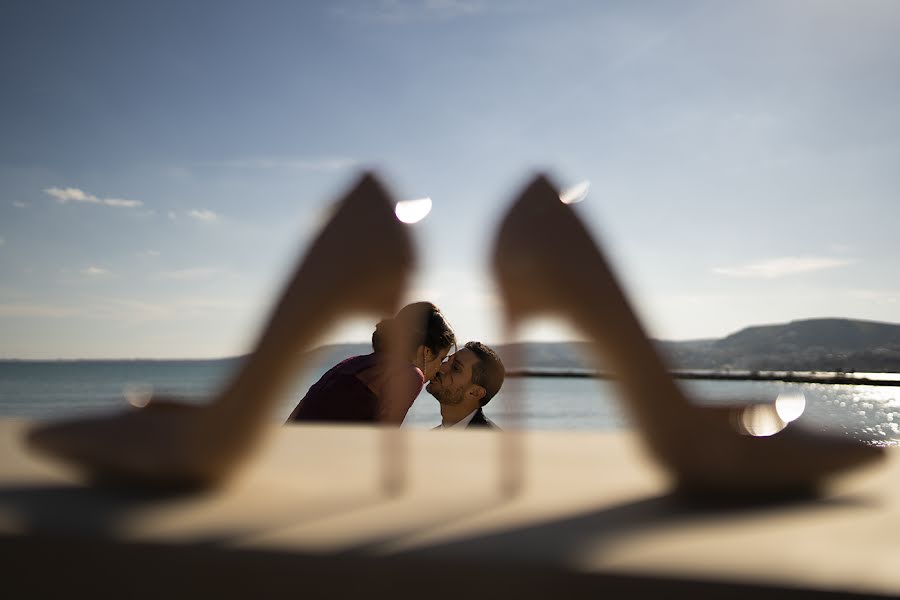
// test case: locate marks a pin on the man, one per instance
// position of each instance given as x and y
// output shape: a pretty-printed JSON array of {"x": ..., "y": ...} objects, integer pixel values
[{"x": 465, "y": 383}]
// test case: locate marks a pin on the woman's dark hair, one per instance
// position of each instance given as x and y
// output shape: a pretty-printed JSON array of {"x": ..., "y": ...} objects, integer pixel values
[{"x": 417, "y": 324}]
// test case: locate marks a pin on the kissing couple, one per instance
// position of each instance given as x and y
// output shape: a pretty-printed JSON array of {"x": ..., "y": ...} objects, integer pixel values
[{"x": 410, "y": 350}]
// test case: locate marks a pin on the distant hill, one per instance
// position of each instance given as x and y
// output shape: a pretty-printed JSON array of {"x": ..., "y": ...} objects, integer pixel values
[
  {"x": 807, "y": 345},
  {"x": 837, "y": 335}
]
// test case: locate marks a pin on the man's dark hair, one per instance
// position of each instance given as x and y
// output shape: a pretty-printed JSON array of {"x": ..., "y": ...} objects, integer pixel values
[{"x": 488, "y": 372}]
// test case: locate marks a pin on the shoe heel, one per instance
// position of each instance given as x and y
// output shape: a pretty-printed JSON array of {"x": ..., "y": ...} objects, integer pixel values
[
  {"x": 511, "y": 444},
  {"x": 515, "y": 273}
]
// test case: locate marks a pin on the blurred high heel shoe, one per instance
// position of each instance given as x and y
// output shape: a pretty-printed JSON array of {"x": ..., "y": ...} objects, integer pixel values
[
  {"x": 358, "y": 264},
  {"x": 545, "y": 262}
]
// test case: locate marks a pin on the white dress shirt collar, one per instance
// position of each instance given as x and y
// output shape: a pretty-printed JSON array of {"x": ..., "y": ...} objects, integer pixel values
[{"x": 462, "y": 423}]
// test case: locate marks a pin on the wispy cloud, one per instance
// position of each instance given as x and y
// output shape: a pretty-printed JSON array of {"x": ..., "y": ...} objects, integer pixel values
[
  {"x": 64, "y": 195},
  {"x": 93, "y": 271},
  {"x": 408, "y": 11},
  {"x": 193, "y": 274},
  {"x": 149, "y": 253},
  {"x": 18, "y": 204},
  {"x": 203, "y": 215},
  {"x": 285, "y": 162},
  {"x": 783, "y": 267}
]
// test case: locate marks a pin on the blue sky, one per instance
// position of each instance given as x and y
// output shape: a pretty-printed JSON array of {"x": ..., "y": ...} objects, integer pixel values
[{"x": 162, "y": 164}]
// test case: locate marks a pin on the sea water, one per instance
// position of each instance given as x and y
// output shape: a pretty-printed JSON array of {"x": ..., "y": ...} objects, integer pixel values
[{"x": 58, "y": 389}]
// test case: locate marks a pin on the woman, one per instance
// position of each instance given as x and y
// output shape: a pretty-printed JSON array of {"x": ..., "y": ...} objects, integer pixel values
[{"x": 381, "y": 386}]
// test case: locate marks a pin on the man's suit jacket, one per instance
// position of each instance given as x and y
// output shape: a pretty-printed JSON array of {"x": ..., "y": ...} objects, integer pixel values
[{"x": 480, "y": 420}]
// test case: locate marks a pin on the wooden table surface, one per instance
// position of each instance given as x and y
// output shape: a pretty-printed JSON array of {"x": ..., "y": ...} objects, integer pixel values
[{"x": 310, "y": 517}]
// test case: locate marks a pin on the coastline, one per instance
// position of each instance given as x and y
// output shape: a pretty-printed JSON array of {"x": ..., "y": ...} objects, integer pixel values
[{"x": 826, "y": 377}]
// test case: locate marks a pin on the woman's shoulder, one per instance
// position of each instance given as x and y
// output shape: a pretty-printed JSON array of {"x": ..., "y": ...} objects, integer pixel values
[{"x": 355, "y": 364}]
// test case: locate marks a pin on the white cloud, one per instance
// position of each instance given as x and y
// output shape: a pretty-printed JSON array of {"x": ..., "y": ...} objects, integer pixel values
[
  {"x": 172, "y": 215},
  {"x": 149, "y": 253},
  {"x": 783, "y": 267},
  {"x": 18, "y": 204},
  {"x": 122, "y": 202},
  {"x": 203, "y": 215},
  {"x": 286, "y": 162},
  {"x": 191, "y": 274},
  {"x": 64, "y": 195},
  {"x": 71, "y": 194},
  {"x": 93, "y": 271}
]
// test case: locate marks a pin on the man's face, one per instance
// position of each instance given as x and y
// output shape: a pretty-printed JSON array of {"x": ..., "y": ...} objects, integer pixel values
[{"x": 454, "y": 378}]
